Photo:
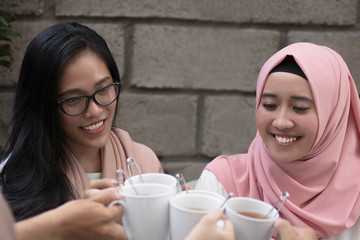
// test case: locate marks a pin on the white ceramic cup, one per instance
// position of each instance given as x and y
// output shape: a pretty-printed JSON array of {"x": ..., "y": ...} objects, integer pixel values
[
  {"x": 250, "y": 228},
  {"x": 186, "y": 210},
  {"x": 161, "y": 178},
  {"x": 146, "y": 214},
  {"x": 204, "y": 192}
]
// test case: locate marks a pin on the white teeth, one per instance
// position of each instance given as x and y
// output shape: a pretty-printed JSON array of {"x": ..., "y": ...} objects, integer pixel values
[
  {"x": 95, "y": 126},
  {"x": 285, "y": 140}
]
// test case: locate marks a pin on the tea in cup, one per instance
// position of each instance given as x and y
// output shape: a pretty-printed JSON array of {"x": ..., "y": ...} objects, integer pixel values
[
  {"x": 186, "y": 210},
  {"x": 250, "y": 218}
]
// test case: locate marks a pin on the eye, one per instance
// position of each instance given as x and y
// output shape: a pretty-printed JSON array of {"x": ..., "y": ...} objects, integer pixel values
[
  {"x": 270, "y": 106},
  {"x": 105, "y": 90},
  {"x": 300, "y": 109},
  {"x": 72, "y": 101}
]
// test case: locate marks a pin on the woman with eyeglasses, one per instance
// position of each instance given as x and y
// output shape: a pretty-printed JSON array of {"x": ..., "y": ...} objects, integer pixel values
[{"x": 62, "y": 126}]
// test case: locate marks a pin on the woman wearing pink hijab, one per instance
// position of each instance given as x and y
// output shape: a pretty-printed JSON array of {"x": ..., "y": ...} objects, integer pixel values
[{"x": 307, "y": 143}]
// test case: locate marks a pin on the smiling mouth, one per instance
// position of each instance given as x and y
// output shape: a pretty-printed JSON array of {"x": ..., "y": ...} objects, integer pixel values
[
  {"x": 94, "y": 126},
  {"x": 286, "y": 139}
]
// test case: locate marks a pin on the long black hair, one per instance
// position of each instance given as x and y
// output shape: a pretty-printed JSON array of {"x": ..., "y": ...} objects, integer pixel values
[{"x": 33, "y": 179}]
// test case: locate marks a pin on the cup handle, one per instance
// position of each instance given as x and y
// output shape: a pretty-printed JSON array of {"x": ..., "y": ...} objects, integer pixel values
[{"x": 120, "y": 203}]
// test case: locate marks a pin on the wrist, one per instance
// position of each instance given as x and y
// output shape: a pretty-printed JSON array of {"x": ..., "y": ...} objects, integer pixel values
[
  {"x": 43, "y": 226},
  {"x": 55, "y": 224},
  {"x": 51, "y": 225}
]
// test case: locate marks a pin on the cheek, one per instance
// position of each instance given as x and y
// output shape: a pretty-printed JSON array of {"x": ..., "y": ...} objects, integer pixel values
[
  {"x": 112, "y": 109},
  {"x": 65, "y": 121},
  {"x": 262, "y": 119},
  {"x": 310, "y": 126}
]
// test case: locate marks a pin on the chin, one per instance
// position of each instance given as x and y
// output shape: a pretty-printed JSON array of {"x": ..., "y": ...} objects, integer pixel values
[
  {"x": 282, "y": 160},
  {"x": 276, "y": 158},
  {"x": 102, "y": 143},
  {"x": 99, "y": 142}
]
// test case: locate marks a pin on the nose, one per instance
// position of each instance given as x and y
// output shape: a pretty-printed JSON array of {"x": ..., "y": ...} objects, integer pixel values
[
  {"x": 283, "y": 121},
  {"x": 93, "y": 109}
]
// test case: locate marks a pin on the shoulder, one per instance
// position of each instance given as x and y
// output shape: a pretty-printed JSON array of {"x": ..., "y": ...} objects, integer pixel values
[
  {"x": 144, "y": 155},
  {"x": 226, "y": 161},
  {"x": 132, "y": 146},
  {"x": 209, "y": 182},
  {"x": 226, "y": 170}
]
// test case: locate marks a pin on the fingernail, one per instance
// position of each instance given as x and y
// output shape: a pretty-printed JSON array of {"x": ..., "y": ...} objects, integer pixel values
[
  {"x": 114, "y": 182},
  {"x": 220, "y": 224}
]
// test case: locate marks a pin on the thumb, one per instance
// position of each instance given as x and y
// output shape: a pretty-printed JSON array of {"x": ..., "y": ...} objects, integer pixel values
[
  {"x": 215, "y": 215},
  {"x": 283, "y": 227}
]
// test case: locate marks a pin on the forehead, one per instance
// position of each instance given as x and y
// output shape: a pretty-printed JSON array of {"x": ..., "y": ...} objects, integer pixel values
[
  {"x": 84, "y": 69},
  {"x": 283, "y": 83}
]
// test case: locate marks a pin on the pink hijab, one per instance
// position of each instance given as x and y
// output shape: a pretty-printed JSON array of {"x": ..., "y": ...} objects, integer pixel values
[{"x": 324, "y": 185}]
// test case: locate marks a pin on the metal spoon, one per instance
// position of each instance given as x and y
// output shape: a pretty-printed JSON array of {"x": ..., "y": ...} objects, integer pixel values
[
  {"x": 131, "y": 162},
  {"x": 220, "y": 224},
  {"x": 231, "y": 194},
  {"x": 120, "y": 177},
  {"x": 282, "y": 198},
  {"x": 180, "y": 178}
]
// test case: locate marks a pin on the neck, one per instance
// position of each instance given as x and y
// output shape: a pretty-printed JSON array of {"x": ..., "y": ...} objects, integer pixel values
[{"x": 90, "y": 161}]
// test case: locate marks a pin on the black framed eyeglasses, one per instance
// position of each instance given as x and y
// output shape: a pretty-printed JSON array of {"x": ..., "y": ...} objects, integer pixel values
[{"x": 77, "y": 105}]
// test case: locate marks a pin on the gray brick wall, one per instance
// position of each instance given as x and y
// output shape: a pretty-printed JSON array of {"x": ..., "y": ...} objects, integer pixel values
[{"x": 189, "y": 67}]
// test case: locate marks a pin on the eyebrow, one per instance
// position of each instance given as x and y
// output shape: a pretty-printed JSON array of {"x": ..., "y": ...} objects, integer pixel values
[
  {"x": 77, "y": 90},
  {"x": 292, "y": 97}
]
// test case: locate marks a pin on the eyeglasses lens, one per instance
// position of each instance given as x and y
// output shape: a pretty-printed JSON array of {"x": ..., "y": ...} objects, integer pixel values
[{"x": 103, "y": 97}]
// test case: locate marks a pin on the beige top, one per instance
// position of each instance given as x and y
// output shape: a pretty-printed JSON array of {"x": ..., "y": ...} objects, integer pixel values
[{"x": 7, "y": 231}]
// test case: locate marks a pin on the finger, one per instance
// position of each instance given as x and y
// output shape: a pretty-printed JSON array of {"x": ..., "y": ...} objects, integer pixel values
[
  {"x": 103, "y": 183},
  {"x": 91, "y": 193},
  {"x": 281, "y": 224},
  {"x": 116, "y": 232},
  {"x": 283, "y": 227},
  {"x": 228, "y": 225},
  {"x": 117, "y": 212},
  {"x": 120, "y": 232},
  {"x": 215, "y": 215},
  {"x": 188, "y": 186},
  {"x": 306, "y": 233},
  {"x": 106, "y": 196}
]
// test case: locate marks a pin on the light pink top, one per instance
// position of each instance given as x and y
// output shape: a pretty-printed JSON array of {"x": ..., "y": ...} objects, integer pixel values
[{"x": 324, "y": 185}]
